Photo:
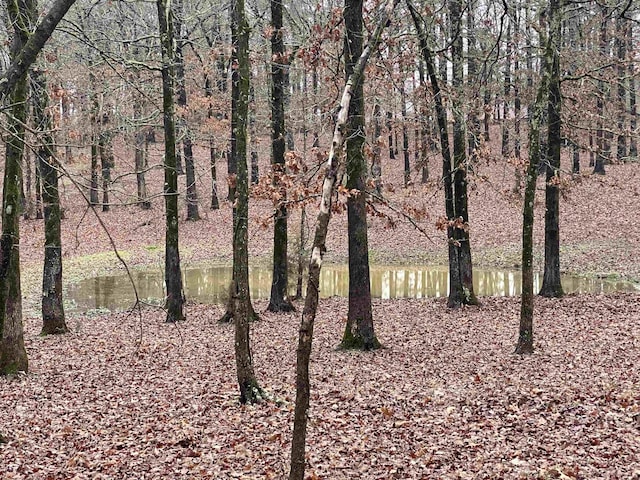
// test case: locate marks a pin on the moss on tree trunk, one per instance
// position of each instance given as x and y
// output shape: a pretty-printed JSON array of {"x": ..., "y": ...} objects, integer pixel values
[{"x": 173, "y": 278}]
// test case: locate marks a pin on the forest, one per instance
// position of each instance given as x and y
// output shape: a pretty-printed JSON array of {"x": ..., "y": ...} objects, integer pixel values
[{"x": 381, "y": 239}]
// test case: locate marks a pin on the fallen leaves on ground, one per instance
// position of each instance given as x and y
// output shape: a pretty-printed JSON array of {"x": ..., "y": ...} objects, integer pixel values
[{"x": 129, "y": 397}]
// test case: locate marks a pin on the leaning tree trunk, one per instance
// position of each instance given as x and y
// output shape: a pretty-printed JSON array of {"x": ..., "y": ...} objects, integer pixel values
[
  {"x": 250, "y": 391},
  {"x": 28, "y": 50},
  {"x": 305, "y": 336},
  {"x": 279, "y": 299},
  {"x": 359, "y": 332},
  {"x": 173, "y": 279},
  {"x": 53, "y": 319},
  {"x": 551, "y": 284},
  {"x": 13, "y": 356}
]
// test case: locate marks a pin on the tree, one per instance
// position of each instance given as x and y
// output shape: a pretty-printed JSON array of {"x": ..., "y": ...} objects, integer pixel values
[
  {"x": 53, "y": 319},
  {"x": 551, "y": 284},
  {"x": 250, "y": 391},
  {"x": 359, "y": 332},
  {"x": 279, "y": 299},
  {"x": 29, "y": 51},
  {"x": 465, "y": 294},
  {"x": 455, "y": 182},
  {"x": 13, "y": 356},
  {"x": 305, "y": 333},
  {"x": 172, "y": 275},
  {"x": 185, "y": 134},
  {"x": 550, "y": 67},
  {"x": 603, "y": 146}
]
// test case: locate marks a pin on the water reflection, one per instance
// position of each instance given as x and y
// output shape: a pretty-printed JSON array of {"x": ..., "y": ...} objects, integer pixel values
[{"x": 209, "y": 285}]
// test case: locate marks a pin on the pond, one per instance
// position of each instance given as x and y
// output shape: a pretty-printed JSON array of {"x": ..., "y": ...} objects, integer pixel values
[{"x": 209, "y": 285}]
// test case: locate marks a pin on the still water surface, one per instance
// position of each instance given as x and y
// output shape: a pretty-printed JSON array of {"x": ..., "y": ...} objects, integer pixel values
[{"x": 209, "y": 285}]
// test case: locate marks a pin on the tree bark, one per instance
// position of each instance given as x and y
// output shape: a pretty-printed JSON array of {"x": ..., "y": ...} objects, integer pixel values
[
  {"x": 551, "y": 284},
  {"x": 525, "y": 334},
  {"x": 633, "y": 112},
  {"x": 279, "y": 299},
  {"x": 506, "y": 149},
  {"x": 405, "y": 136},
  {"x": 376, "y": 162},
  {"x": 305, "y": 336},
  {"x": 213, "y": 155},
  {"x": 359, "y": 332},
  {"x": 53, "y": 318},
  {"x": 456, "y": 294},
  {"x": 461, "y": 233},
  {"x": 621, "y": 44},
  {"x": 250, "y": 391},
  {"x": 105, "y": 147},
  {"x": 13, "y": 356},
  {"x": 173, "y": 279},
  {"x": 183, "y": 127},
  {"x": 140, "y": 155},
  {"x": 601, "y": 141}
]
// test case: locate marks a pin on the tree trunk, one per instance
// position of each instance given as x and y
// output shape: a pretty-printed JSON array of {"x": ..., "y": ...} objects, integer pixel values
[
  {"x": 140, "y": 156},
  {"x": 93, "y": 188},
  {"x": 303, "y": 215},
  {"x": 633, "y": 113},
  {"x": 405, "y": 136},
  {"x": 279, "y": 300},
  {"x": 621, "y": 44},
  {"x": 38, "y": 205},
  {"x": 517, "y": 107},
  {"x": 525, "y": 335},
  {"x": 601, "y": 141},
  {"x": 474, "y": 82},
  {"x": 456, "y": 293},
  {"x": 506, "y": 148},
  {"x": 359, "y": 332},
  {"x": 253, "y": 135},
  {"x": 424, "y": 127},
  {"x": 576, "y": 157},
  {"x": 13, "y": 356},
  {"x": 95, "y": 135},
  {"x": 183, "y": 127},
  {"x": 173, "y": 279},
  {"x": 551, "y": 284},
  {"x": 392, "y": 155},
  {"x": 213, "y": 156},
  {"x": 376, "y": 161},
  {"x": 53, "y": 319},
  {"x": 461, "y": 234},
  {"x": 28, "y": 51},
  {"x": 250, "y": 391},
  {"x": 305, "y": 335},
  {"x": 105, "y": 147}
]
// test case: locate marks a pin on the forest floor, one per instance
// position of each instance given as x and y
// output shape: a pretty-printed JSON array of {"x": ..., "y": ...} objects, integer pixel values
[{"x": 124, "y": 396}]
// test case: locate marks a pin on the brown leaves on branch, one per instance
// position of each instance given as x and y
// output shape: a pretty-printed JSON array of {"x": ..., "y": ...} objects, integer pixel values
[{"x": 442, "y": 223}]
